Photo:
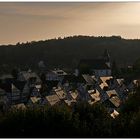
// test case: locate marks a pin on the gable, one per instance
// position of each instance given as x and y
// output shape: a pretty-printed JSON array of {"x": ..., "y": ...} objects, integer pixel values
[
  {"x": 52, "y": 99},
  {"x": 60, "y": 93}
]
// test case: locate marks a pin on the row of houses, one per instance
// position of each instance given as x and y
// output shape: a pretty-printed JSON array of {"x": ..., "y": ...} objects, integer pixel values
[
  {"x": 59, "y": 87},
  {"x": 91, "y": 82}
]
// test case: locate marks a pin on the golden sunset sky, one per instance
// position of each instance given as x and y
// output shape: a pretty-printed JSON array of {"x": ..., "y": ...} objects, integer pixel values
[{"x": 21, "y": 22}]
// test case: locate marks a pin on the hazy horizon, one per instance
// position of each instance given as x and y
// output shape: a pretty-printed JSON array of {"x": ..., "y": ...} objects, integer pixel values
[{"x": 32, "y": 21}]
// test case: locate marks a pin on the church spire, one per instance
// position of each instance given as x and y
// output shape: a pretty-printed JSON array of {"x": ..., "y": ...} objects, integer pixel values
[{"x": 106, "y": 55}]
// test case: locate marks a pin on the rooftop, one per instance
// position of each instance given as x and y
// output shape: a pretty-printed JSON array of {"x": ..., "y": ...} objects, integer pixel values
[{"x": 52, "y": 99}]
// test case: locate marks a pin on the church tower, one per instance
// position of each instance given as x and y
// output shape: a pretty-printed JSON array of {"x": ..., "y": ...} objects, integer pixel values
[{"x": 106, "y": 57}]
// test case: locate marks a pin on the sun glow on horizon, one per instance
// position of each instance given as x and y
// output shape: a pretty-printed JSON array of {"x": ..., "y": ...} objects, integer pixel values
[{"x": 21, "y": 22}]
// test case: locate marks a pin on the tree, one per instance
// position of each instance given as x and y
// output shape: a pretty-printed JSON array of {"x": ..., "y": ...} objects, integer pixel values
[
  {"x": 94, "y": 120},
  {"x": 15, "y": 72},
  {"x": 114, "y": 69},
  {"x": 43, "y": 77}
]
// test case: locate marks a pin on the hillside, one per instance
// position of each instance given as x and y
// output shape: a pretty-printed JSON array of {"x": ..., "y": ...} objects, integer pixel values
[{"x": 68, "y": 51}]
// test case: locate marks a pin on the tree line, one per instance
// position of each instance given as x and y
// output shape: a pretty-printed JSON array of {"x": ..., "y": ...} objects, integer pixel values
[{"x": 68, "y": 51}]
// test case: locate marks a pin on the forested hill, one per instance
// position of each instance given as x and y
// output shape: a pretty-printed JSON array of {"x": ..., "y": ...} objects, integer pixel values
[{"x": 68, "y": 51}]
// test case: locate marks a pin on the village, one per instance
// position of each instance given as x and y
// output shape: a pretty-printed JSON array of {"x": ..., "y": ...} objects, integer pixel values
[{"x": 24, "y": 89}]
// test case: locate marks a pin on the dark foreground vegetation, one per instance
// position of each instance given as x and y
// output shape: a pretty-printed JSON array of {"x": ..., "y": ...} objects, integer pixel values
[{"x": 81, "y": 121}]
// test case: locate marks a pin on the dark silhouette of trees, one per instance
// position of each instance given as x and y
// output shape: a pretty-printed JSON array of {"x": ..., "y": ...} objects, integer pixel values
[
  {"x": 15, "y": 73},
  {"x": 115, "y": 71},
  {"x": 43, "y": 77},
  {"x": 126, "y": 125},
  {"x": 57, "y": 121},
  {"x": 81, "y": 121},
  {"x": 67, "y": 52}
]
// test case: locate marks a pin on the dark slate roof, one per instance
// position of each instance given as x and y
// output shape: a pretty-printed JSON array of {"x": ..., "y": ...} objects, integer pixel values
[
  {"x": 108, "y": 104},
  {"x": 51, "y": 84},
  {"x": 94, "y": 63},
  {"x": 115, "y": 101},
  {"x": 73, "y": 79},
  {"x": 88, "y": 79},
  {"x": 19, "y": 84},
  {"x": 7, "y": 86}
]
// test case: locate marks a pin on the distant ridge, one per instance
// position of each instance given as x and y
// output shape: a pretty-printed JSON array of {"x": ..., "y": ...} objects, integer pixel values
[{"x": 68, "y": 51}]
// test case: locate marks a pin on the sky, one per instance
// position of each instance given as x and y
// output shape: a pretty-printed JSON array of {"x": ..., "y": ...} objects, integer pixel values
[{"x": 33, "y": 21}]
